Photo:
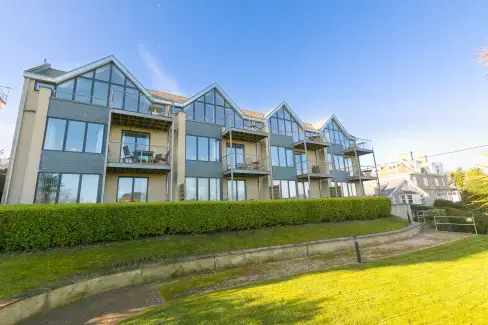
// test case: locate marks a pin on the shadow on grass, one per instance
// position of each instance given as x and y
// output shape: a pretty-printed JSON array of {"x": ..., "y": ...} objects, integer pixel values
[{"x": 223, "y": 308}]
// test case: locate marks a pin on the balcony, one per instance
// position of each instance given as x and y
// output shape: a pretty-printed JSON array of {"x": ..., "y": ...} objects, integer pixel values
[
  {"x": 130, "y": 157},
  {"x": 312, "y": 140},
  {"x": 245, "y": 165},
  {"x": 359, "y": 147},
  {"x": 365, "y": 173},
  {"x": 312, "y": 169},
  {"x": 243, "y": 129}
]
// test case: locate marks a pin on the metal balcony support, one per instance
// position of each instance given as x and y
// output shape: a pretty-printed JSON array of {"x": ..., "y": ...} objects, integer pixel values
[
  {"x": 308, "y": 174},
  {"x": 377, "y": 176},
  {"x": 104, "y": 176},
  {"x": 359, "y": 173},
  {"x": 171, "y": 175},
  {"x": 270, "y": 168},
  {"x": 231, "y": 169}
]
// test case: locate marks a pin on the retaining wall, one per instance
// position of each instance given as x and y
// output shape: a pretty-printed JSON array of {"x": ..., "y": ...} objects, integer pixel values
[{"x": 22, "y": 309}]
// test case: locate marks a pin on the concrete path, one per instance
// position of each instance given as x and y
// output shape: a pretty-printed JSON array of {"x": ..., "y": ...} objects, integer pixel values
[{"x": 111, "y": 307}]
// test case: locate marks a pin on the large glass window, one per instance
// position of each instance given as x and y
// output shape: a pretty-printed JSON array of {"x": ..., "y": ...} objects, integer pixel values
[
  {"x": 207, "y": 189},
  {"x": 65, "y": 89},
  {"x": 131, "y": 99},
  {"x": 132, "y": 189},
  {"x": 236, "y": 190},
  {"x": 301, "y": 163},
  {"x": 202, "y": 148},
  {"x": 282, "y": 122},
  {"x": 210, "y": 108},
  {"x": 275, "y": 161},
  {"x": 55, "y": 131},
  {"x": 66, "y": 188},
  {"x": 303, "y": 189},
  {"x": 281, "y": 156},
  {"x": 100, "y": 93},
  {"x": 75, "y": 136},
  {"x": 336, "y": 135},
  {"x": 235, "y": 155},
  {"x": 83, "y": 89},
  {"x": 288, "y": 189},
  {"x": 293, "y": 189}
]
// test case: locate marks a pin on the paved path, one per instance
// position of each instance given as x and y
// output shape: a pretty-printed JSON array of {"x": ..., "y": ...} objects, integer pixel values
[{"x": 110, "y": 307}]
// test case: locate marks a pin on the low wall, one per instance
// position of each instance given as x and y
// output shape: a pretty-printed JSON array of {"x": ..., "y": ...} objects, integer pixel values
[
  {"x": 401, "y": 210},
  {"x": 22, "y": 309}
]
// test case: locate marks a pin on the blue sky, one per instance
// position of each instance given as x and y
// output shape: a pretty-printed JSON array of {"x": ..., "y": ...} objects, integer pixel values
[{"x": 401, "y": 73}]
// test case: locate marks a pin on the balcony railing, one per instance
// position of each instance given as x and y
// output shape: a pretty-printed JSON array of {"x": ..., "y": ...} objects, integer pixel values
[
  {"x": 251, "y": 163},
  {"x": 364, "y": 172},
  {"x": 313, "y": 169},
  {"x": 134, "y": 153},
  {"x": 361, "y": 145}
]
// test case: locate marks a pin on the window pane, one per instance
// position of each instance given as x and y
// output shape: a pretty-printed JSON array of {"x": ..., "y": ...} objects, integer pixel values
[
  {"x": 191, "y": 147},
  {"x": 76, "y": 135},
  {"x": 131, "y": 99},
  {"x": 124, "y": 193},
  {"x": 214, "y": 150},
  {"x": 89, "y": 74},
  {"x": 241, "y": 190},
  {"x": 215, "y": 189},
  {"x": 94, "y": 138},
  {"x": 203, "y": 190},
  {"x": 89, "y": 188},
  {"x": 129, "y": 83},
  {"x": 199, "y": 112},
  {"x": 203, "y": 149},
  {"x": 281, "y": 126},
  {"x": 301, "y": 190},
  {"x": 274, "y": 156},
  {"x": 209, "y": 97},
  {"x": 54, "y": 134},
  {"x": 144, "y": 104},
  {"x": 289, "y": 157},
  {"x": 232, "y": 190},
  {"x": 219, "y": 100},
  {"x": 274, "y": 125},
  {"x": 307, "y": 189},
  {"x": 293, "y": 189},
  {"x": 239, "y": 122},
  {"x": 103, "y": 73},
  {"x": 219, "y": 115},
  {"x": 229, "y": 117},
  {"x": 117, "y": 76},
  {"x": 280, "y": 113},
  {"x": 140, "y": 190},
  {"x": 286, "y": 114},
  {"x": 284, "y": 190},
  {"x": 189, "y": 112},
  {"x": 117, "y": 96},
  {"x": 209, "y": 113},
  {"x": 65, "y": 90},
  {"x": 83, "y": 89},
  {"x": 47, "y": 188},
  {"x": 100, "y": 93},
  {"x": 68, "y": 191},
  {"x": 288, "y": 128},
  {"x": 282, "y": 155},
  {"x": 191, "y": 189}
]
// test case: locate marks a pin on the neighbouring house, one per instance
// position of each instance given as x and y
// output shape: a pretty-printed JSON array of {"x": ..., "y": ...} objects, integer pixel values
[
  {"x": 96, "y": 134},
  {"x": 416, "y": 181},
  {"x": 3, "y": 173}
]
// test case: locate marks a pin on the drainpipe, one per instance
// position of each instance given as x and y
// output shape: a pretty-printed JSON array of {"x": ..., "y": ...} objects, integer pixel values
[
  {"x": 107, "y": 147},
  {"x": 308, "y": 171},
  {"x": 171, "y": 156},
  {"x": 15, "y": 140}
]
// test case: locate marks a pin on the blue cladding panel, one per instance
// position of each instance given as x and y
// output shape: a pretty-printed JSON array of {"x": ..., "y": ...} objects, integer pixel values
[
  {"x": 284, "y": 173},
  {"x": 77, "y": 111},
  {"x": 71, "y": 162},
  {"x": 281, "y": 140},
  {"x": 203, "y": 169},
  {"x": 203, "y": 129}
]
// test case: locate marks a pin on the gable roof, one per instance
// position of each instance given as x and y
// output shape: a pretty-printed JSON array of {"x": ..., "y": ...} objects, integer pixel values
[
  {"x": 321, "y": 124},
  {"x": 252, "y": 114},
  {"x": 270, "y": 113},
  {"x": 167, "y": 96},
  {"x": 57, "y": 77}
]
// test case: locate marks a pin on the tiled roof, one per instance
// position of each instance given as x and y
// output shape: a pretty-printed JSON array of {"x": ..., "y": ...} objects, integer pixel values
[
  {"x": 310, "y": 126},
  {"x": 171, "y": 97},
  {"x": 252, "y": 114}
]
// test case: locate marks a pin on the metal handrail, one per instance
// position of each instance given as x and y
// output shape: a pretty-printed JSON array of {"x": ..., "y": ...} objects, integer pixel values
[
  {"x": 54, "y": 92},
  {"x": 242, "y": 161},
  {"x": 360, "y": 144},
  {"x": 132, "y": 153},
  {"x": 312, "y": 167},
  {"x": 363, "y": 171}
]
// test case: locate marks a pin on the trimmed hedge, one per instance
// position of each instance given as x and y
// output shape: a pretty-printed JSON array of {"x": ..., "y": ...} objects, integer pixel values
[
  {"x": 449, "y": 204},
  {"x": 26, "y": 227}
]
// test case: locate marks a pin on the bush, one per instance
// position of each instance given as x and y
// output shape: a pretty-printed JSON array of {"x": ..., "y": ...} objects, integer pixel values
[
  {"x": 449, "y": 204},
  {"x": 26, "y": 227},
  {"x": 419, "y": 207}
]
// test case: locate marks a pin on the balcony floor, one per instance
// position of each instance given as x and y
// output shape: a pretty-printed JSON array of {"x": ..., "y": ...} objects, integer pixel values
[
  {"x": 246, "y": 173},
  {"x": 357, "y": 151},
  {"x": 314, "y": 176},
  {"x": 363, "y": 178},
  {"x": 140, "y": 120},
  {"x": 244, "y": 134},
  {"x": 311, "y": 145},
  {"x": 138, "y": 168}
]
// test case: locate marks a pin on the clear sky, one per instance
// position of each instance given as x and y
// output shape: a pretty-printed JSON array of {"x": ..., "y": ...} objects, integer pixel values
[{"x": 401, "y": 73}]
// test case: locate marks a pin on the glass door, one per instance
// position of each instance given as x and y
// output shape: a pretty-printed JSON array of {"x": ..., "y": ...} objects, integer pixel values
[
  {"x": 135, "y": 147},
  {"x": 235, "y": 156}
]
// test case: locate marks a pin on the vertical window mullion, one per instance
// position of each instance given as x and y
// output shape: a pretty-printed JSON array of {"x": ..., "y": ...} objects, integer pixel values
[
  {"x": 58, "y": 187},
  {"x": 132, "y": 190},
  {"x": 79, "y": 188},
  {"x": 83, "y": 148},
  {"x": 74, "y": 88},
  {"x": 65, "y": 136}
]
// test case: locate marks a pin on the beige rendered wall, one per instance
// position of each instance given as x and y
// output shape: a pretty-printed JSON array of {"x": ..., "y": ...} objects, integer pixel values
[
  {"x": 156, "y": 186},
  {"x": 252, "y": 190},
  {"x": 179, "y": 154},
  {"x": 35, "y": 147}
]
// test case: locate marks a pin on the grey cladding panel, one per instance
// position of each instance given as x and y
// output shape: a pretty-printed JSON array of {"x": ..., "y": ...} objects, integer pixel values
[
  {"x": 71, "y": 162},
  {"x": 340, "y": 176},
  {"x": 281, "y": 140},
  {"x": 77, "y": 111},
  {"x": 203, "y": 169},
  {"x": 203, "y": 129},
  {"x": 336, "y": 149},
  {"x": 284, "y": 173}
]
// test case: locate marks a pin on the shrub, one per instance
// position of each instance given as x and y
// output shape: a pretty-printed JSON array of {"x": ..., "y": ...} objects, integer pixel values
[
  {"x": 449, "y": 204},
  {"x": 26, "y": 227},
  {"x": 419, "y": 207}
]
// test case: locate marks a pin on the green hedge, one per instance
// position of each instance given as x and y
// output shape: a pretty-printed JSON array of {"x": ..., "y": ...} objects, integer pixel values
[
  {"x": 449, "y": 204},
  {"x": 28, "y": 227}
]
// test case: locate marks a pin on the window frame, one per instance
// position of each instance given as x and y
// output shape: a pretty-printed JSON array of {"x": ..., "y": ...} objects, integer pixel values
[
  {"x": 80, "y": 181},
  {"x": 219, "y": 181},
  {"x": 236, "y": 194},
  {"x": 65, "y": 135},
  {"x": 132, "y": 188},
  {"x": 218, "y": 144}
]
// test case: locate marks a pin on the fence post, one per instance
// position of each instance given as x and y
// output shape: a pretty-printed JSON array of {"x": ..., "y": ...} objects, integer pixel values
[
  {"x": 409, "y": 219},
  {"x": 356, "y": 246}
]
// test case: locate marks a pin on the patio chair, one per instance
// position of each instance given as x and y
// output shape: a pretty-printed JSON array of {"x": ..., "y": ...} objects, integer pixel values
[{"x": 128, "y": 156}]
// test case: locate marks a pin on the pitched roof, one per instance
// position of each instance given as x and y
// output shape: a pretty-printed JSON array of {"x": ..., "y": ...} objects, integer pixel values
[
  {"x": 309, "y": 126},
  {"x": 252, "y": 114},
  {"x": 168, "y": 96}
]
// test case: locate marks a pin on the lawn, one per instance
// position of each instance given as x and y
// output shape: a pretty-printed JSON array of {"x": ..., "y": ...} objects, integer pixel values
[
  {"x": 447, "y": 284},
  {"x": 29, "y": 271}
]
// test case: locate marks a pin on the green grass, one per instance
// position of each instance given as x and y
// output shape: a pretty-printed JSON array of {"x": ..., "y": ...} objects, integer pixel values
[
  {"x": 447, "y": 284},
  {"x": 29, "y": 271}
]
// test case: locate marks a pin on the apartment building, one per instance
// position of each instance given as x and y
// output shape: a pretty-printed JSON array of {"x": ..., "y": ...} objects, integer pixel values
[
  {"x": 95, "y": 134},
  {"x": 414, "y": 180}
]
